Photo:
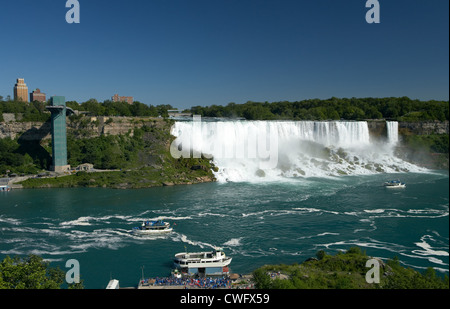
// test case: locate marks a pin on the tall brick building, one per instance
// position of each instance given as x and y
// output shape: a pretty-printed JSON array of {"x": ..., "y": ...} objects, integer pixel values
[
  {"x": 37, "y": 95},
  {"x": 117, "y": 98},
  {"x": 21, "y": 90}
]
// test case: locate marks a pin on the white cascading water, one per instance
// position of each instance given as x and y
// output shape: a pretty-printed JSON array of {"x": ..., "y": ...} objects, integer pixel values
[{"x": 255, "y": 151}]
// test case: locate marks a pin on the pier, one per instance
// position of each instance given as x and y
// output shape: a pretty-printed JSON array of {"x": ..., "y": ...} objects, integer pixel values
[
  {"x": 234, "y": 281},
  {"x": 185, "y": 283}
]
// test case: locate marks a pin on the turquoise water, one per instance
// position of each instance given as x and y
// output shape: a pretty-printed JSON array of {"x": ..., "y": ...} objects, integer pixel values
[{"x": 256, "y": 224}]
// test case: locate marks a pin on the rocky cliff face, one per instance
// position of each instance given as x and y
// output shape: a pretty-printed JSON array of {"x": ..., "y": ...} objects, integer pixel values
[
  {"x": 377, "y": 128},
  {"x": 85, "y": 127},
  {"x": 96, "y": 126},
  {"x": 31, "y": 131},
  {"x": 423, "y": 128}
]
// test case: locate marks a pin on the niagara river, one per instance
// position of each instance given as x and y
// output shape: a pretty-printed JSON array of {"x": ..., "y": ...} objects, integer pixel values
[{"x": 325, "y": 192}]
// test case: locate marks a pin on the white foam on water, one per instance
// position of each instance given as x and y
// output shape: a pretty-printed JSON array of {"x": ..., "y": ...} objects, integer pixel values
[
  {"x": 7, "y": 220},
  {"x": 427, "y": 249},
  {"x": 84, "y": 221},
  {"x": 318, "y": 235},
  {"x": 234, "y": 242},
  {"x": 183, "y": 238}
]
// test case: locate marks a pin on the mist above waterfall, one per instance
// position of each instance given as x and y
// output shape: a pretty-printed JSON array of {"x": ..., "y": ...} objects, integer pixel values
[{"x": 255, "y": 151}]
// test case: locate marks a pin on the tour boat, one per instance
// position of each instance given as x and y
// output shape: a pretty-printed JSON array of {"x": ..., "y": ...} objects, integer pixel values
[
  {"x": 5, "y": 188},
  {"x": 153, "y": 227},
  {"x": 394, "y": 184},
  {"x": 203, "y": 263}
]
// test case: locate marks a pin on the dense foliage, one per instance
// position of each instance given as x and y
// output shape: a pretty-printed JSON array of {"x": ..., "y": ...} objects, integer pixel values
[
  {"x": 110, "y": 108},
  {"x": 345, "y": 271},
  {"x": 402, "y": 109},
  {"x": 36, "y": 111},
  {"x": 138, "y": 160},
  {"x": 21, "y": 157},
  {"x": 105, "y": 152},
  {"x": 434, "y": 143},
  {"x": 115, "y": 152},
  {"x": 144, "y": 147},
  {"x": 31, "y": 273}
]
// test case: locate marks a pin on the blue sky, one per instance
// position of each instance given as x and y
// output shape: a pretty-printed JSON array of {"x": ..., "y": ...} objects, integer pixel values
[{"x": 204, "y": 52}]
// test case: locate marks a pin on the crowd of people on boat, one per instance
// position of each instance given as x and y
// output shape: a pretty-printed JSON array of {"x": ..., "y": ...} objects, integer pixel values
[{"x": 203, "y": 283}]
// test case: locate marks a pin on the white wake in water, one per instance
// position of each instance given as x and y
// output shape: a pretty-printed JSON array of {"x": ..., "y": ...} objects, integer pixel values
[{"x": 244, "y": 151}]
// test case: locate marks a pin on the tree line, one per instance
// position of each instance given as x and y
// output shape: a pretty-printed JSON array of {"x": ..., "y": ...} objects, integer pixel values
[
  {"x": 401, "y": 109},
  {"x": 110, "y": 108},
  {"x": 36, "y": 111}
]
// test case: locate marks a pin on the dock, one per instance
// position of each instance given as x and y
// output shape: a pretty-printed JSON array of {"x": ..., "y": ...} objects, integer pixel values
[
  {"x": 186, "y": 283},
  {"x": 233, "y": 281}
]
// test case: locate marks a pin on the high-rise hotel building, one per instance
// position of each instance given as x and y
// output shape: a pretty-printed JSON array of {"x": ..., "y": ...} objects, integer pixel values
[{"x": 21, "y": 90}]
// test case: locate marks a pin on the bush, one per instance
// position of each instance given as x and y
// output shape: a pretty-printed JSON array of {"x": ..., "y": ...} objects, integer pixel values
[
  {"x": 346, "y": 271},
  {"x": 30, "y": 273}
]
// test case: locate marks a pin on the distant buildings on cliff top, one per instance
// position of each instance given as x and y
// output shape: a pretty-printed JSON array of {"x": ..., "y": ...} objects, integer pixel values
[
  {"x": 117, "y": 98},
  {"x": 21, "y": 94}
]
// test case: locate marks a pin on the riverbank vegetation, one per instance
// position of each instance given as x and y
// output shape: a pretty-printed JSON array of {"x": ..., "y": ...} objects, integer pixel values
[
  {"x": 32, "y": 272},
  {"x": 431, "y": 151},
  {"x": 22, "y": 158},
  {"x": 36, "y": 111},
  {"x": 138, "y": 160},
  {"x": 345, "y": 271},
  {"x": 400, "y": 109},
  {"x": 147, "y": 145}
]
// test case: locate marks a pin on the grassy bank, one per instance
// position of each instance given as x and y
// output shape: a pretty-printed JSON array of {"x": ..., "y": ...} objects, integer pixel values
[{"x": 142, "y": 178}]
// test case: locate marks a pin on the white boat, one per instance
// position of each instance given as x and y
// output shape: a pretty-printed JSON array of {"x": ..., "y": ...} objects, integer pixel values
[
  {"x": 113, "y": 284},
  {"x": 153, "y": 227},
  {"x": 395, "y": 184},
  {"x": 203, "y": 263},
  {"x": 5, "y": 188}
]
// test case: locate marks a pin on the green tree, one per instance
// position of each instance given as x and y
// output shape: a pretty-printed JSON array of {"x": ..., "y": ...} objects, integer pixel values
[
  {"x": 262, "y": 279},
  {"x": 30, "y": 273}
]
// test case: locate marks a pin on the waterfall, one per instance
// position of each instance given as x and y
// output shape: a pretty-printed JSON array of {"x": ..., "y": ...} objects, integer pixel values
[
  {"x": 392, "y": 132},
  {"x": 274, "y": 150}
]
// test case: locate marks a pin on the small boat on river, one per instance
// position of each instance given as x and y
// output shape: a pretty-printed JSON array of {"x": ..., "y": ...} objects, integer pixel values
[
  {"x": 5, "y": 188},
  {"x": 153, "y": 227},
  {"x": 395, "y": 184},
  {"x": 203, "y": 263}
]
